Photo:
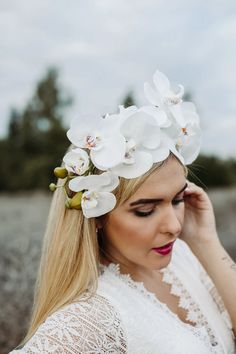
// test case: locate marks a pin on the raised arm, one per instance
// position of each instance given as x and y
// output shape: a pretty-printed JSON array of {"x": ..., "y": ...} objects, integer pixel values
[{"x": 199, "y": 232}]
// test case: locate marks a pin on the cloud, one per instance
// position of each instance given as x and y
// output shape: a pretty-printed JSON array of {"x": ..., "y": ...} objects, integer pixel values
[{"x": 104, "y": 48}]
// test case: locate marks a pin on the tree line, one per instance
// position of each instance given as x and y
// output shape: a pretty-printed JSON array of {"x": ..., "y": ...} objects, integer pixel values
[{"x": 36, "y": 141}]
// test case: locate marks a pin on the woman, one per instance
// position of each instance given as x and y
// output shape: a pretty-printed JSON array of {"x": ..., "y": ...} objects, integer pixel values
[{"x": 141, "y": 269}]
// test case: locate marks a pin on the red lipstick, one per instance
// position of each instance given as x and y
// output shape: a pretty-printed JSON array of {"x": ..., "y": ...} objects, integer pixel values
[{"x": 164, "y": 249}]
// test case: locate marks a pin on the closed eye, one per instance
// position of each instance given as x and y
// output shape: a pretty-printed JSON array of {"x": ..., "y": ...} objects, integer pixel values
[
  {"x": 143, "y": 213},
  {"x": 177, "y": 201},
  {"x": 149, "y": 212}
]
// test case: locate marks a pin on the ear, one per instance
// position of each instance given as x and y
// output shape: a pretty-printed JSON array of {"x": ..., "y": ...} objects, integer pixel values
[{"x": 100, "y": 221}]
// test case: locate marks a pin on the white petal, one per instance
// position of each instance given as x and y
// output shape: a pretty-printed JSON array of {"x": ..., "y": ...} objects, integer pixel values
[
  {"x": 193, "y": 129},
  {"x": 137, "y": 126},
  {"x": 81, "y": 152},
  {"x": 109, "y": 125},
  {"x": 191, "y": 151},
  {"x": 151, "y": 95},
  {"x": 123, "y": 114},
  {"x": 80, "y": 127},
  {"x": 91, "y": 128},
  {"x": 76, "y": 138},
  {"x": 151, "y": 137},
  {"x": 128, "y": 110},
  {"x": 143, "y": 162},
  {"x": 160, "y": 116},
  {"x": 76, "y": 161},
  {"x": 161, "y": 82},
  {"x": 161, "y": 153},
  {"x": 178, "y": 155},
  {"x": 192, "y": 118},
  {"x": 105, "y": 202},
  {"x": 111, "y": 154},
  {"x": 189, "y": 112},
  {"x": 173, "y": 131},
  {"x": 177, "y": 114},
  {"x": 93, "y": 182},
  {"x": 89, "y": 200},
  {"x": 113, "y": 182}
]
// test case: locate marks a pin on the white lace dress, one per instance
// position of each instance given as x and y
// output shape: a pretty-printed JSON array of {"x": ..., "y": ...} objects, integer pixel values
[{"x": 123, "y": 317}]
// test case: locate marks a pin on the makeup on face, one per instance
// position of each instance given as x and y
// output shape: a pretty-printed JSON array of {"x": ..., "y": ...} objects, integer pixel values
[
  {"x": 149, "y": 204},
  {"x": 166, "y": 249},
  {"x": 140, "y": 230}
]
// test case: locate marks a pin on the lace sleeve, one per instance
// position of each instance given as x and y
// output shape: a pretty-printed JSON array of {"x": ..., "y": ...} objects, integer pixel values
[
  {"x": 209, "y": 285},
  {"x": 91, "y": 326}
]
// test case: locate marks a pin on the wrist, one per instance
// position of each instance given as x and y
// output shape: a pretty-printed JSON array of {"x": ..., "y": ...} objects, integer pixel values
[{"x": 204, "y": 248}]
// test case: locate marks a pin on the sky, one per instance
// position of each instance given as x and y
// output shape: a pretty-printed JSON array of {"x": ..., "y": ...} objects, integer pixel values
[{"x": 105, "y": 48}]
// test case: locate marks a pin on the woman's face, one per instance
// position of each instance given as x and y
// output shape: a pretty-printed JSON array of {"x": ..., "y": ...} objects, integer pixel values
[{"x": 152, "y": 217}]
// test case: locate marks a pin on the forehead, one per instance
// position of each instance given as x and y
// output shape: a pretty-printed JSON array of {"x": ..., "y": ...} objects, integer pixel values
[{"x": 163, "y": 182}]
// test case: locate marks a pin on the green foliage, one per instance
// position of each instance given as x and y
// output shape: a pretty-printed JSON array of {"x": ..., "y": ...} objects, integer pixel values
[
  {"x": 36, "y": 142},
  {"x": 211, "y": 171},
  {"x": 129, "y": 100},
  {"x": 36, "y": 138}
]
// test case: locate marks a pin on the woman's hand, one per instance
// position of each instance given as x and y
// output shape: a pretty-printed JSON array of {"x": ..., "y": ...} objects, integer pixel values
[{"x": 199, "y": 222}]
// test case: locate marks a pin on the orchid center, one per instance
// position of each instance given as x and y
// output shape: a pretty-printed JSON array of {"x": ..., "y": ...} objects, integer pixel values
[
  {"x": 130, "y": 152},
  {"x": 172, "y": 100},
  {"x": 79, "y": 167},
  {"x": 184, "y": 131},
  {"x": 92, "y": 141},
  {"x": 90, "y": 199}
]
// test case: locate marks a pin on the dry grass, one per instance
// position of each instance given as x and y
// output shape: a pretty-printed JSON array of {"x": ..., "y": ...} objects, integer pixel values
[{"x": 23, "y": 220}]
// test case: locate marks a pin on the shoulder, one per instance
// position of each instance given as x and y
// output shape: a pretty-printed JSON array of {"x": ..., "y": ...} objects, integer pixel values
[{"x": 89, "y": 326}]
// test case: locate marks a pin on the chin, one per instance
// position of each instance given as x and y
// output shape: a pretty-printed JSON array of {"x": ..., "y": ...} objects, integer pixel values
[{"x": 164, "y": 262}]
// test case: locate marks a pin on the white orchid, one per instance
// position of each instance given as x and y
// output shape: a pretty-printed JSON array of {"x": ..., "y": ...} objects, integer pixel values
[
  {"x": 126, "y": 144},
  {"x": 96, "y": 199},
  {"x": 185, "y": 142},
  {"x": 164, "y": 97},
  {"x": 159, "y": 114},
  {"x": 76, "y": 161},
  {"x": 100, "y": 136},
  {"x": 144, "y": 145},
  {"x": 189, "y": 114}
]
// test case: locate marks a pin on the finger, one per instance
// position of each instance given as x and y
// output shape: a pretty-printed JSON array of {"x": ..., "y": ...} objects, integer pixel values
[{"x": 195, "y": 190}]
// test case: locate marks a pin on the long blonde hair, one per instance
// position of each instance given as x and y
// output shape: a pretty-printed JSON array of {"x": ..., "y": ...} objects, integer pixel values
[{"x": 70, "y": 254}]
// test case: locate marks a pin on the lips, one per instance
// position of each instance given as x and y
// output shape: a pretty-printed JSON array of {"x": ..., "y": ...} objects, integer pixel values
[
  {"x": 165, "y": 246},
  {"x": 164, "y": 250}
]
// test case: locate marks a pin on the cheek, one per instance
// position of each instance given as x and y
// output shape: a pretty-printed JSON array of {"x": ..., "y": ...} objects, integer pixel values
[
  {"x": 128, "y": 232},
  {"x": 180, "y": 213}
]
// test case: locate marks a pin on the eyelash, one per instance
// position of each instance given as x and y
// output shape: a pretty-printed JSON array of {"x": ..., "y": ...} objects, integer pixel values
[{"x": 147, "y": 213}]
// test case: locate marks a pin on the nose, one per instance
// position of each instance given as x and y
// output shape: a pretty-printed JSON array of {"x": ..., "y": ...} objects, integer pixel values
[{"x": 170, "y": 222}]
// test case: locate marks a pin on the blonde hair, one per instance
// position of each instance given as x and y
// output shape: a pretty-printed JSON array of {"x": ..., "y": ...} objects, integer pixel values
[{"x": 70, "y": 254}]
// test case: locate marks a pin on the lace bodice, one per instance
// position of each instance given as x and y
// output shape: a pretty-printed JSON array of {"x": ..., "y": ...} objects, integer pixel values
[{"x": 124, "y": 317}]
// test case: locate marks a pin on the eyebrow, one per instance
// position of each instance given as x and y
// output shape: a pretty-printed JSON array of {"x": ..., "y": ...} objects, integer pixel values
[{"x": 155, "y": 200}]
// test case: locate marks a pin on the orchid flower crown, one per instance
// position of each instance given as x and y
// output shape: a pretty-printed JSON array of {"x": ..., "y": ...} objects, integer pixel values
[{"x": 127, "y": 144}]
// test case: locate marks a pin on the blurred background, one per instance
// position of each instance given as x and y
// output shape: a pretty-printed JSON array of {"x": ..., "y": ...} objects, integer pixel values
[{"x": 68, "y": 58}]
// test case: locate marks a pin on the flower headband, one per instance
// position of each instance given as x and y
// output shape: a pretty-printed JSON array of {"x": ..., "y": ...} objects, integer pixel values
[{"x": 126, "y": 145}]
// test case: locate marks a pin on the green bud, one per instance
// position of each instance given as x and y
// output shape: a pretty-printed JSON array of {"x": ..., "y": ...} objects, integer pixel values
[
  {"x": 68, "y": 203},
  {"x": 60, "y": 172},
  {"x": 52, "y": 187},
  {"x": 76, "y": 201}
]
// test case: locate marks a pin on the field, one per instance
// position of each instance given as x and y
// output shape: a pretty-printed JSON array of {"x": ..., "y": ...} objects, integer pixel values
[{"x": 23, "y": 220}]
